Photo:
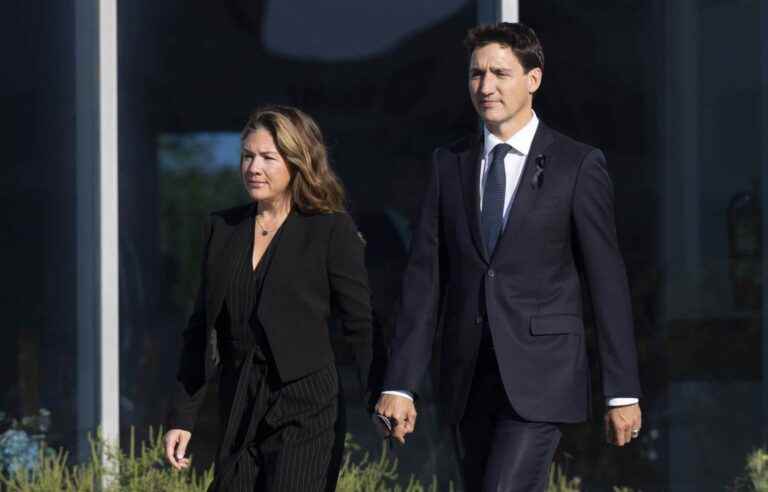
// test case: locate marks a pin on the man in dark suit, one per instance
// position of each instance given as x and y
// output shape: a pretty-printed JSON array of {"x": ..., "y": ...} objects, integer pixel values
[{"x": 506, "y": 219}]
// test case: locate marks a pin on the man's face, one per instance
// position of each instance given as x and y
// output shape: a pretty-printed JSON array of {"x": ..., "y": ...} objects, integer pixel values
[{"x": 498, "y": 85}]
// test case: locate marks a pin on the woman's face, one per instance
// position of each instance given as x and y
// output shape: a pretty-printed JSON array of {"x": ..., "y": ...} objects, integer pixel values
[{"x": 265, "y": 173}]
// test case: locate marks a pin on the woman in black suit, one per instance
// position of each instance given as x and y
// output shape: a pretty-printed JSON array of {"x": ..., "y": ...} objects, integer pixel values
[{"x": 273, "y": 272}]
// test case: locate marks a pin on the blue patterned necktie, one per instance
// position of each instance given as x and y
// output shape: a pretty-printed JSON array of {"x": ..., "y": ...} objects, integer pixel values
[{"x": 491, "y": 217}]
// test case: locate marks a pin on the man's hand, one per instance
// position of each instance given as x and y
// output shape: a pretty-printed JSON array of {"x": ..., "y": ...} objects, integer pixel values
[
  {"x": 176, "y": 441},
  {"x": 401, "y": 411},
  {"x": 622, "y": 424}
]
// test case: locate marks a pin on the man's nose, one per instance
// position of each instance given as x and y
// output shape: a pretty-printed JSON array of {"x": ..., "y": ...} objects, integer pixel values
[{"x": 487, "y": 85}]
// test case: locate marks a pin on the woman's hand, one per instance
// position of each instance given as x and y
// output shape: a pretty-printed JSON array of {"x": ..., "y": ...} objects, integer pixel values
[{"x": 176, "y": 441}]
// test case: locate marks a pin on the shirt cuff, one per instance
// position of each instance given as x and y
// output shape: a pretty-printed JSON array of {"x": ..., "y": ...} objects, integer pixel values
[
  {"x": 404, "y": 394},
  {"x": 620, "y": 402}
]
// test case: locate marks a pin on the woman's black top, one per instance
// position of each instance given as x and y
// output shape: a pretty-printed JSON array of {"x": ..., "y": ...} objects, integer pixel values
[{"x": 243, "y": 329}]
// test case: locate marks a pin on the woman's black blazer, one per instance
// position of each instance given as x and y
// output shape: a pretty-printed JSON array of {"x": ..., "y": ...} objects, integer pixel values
[{"x": 317, "y": 267}]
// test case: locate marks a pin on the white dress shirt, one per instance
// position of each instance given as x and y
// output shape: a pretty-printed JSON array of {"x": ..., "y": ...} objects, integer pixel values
[{"x": 514, "y": 162}]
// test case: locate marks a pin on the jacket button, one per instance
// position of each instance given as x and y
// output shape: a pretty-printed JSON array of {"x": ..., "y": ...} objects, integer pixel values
[
  {"x": 479, "y": 320},
  {"x": 491, "y": 273}
]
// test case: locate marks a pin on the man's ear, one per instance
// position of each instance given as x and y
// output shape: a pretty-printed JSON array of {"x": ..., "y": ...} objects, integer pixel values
[{"x": 533, "y": 79}]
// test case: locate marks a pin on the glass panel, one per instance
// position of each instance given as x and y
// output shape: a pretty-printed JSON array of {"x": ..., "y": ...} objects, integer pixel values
[
  {"x": 190, "y": 72},
  {"x": 48, "y": 243},
  {"x": 674, "y": 93}
]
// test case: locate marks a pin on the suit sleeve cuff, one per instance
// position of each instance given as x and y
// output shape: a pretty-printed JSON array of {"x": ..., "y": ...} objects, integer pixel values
[
  {"x": 176, "y": 421},
  {"x": 620, "y": 402},
  {"x": 405, "y": 394}
]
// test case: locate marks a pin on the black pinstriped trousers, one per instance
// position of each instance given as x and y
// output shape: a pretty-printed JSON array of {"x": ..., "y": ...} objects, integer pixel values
[{"x": 279, "y": 437}]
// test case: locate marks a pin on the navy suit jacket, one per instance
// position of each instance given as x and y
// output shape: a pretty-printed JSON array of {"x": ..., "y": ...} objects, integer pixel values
[{"x": 530, "y": 289}]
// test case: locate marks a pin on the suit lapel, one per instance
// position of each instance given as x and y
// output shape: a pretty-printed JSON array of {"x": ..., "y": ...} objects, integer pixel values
[
  {"x": 526, "y": 195},
  {"x": 223, "y": 265},
  {"x": 285, "y": 254},
  {"x": 469, "y": 164},
  {"x": 282, "y": 267}
]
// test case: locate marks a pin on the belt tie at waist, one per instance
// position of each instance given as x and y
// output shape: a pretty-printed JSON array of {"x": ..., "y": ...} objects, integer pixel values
[{"x": 234, "y": 468}]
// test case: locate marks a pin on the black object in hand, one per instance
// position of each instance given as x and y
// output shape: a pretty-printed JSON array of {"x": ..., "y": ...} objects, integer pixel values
[{"x": 384, "y": 424}]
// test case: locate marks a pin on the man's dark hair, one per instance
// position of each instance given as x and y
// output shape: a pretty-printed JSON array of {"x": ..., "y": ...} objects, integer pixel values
[{"x": 521, "y": 39}]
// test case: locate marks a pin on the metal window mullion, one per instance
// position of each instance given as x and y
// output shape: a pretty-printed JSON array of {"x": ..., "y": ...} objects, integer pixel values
[
  {"x": 489, "y": 11},
  {"x": 97, "y": 372},
  {"x": 87, "y": 240},
  {"x": 109, "y": 224},
  {"x": 764, "y": 207}
]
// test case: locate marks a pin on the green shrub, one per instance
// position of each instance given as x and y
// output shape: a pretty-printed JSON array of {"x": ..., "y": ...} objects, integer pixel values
[
  {"x": 755, "y": 478},
  {"x": 365, "y": 475},
  {"x": 559, "y": 482},
  {"x": 143, "y": 469}
]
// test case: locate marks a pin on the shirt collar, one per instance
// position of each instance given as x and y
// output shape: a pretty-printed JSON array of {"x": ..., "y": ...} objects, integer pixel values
[{"x": 521, "y": 141}]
